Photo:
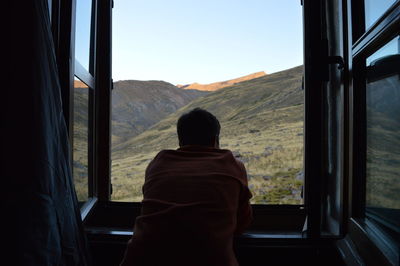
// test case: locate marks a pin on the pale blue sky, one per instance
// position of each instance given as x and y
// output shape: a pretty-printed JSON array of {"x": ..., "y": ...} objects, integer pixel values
[{"x": 185, "y": 41}]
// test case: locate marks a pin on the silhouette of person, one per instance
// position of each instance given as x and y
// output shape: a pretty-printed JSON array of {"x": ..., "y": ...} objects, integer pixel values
[{"x": 195, "y": 199}]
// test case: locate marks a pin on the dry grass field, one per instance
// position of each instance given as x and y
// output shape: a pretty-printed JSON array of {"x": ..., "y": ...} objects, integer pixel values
[
  {"x": 262, "y": 124},
  {"x": 80, "y": 141}
]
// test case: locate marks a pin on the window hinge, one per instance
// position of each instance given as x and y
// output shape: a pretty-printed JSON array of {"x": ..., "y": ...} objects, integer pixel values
[
  {"x": 332, "y": 60},
  {"x": 329, "y": 59},
  {"x": 336, "y": 60}
]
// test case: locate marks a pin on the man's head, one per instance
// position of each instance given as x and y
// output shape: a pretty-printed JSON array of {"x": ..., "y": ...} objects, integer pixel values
[{"x": 198, "y": 127}]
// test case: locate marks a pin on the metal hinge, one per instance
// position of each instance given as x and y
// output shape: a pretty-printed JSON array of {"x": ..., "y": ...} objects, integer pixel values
[
  {"x": 336, "y": 60},
  {"x": 329, "y": 60}
]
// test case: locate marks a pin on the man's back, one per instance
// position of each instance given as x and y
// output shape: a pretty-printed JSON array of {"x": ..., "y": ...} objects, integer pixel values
[{"x": 195, "y": 199}]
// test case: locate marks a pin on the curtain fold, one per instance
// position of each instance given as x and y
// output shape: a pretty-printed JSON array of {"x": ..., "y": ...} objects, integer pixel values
[{"x": 40, "y": 216}]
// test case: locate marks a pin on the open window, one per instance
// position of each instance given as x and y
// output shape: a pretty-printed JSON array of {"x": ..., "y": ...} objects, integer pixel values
[
  {"x": 77, "y": 37},
  {"x": 163, "y": 68},
  {"x": 262, "y": 115},
  {"x": 374, "y": 150},
  {"x": 270, "y": 120},
  {"x": 83, "y": 92},
  {"x": 339, "y": 115}
]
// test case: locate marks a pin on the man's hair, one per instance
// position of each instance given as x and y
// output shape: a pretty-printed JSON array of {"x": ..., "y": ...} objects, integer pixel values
[{"x": 198, "y": 127}]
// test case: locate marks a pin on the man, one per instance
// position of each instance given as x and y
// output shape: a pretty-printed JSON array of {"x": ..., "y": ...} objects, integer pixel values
[{"x": 195, "y": 199}]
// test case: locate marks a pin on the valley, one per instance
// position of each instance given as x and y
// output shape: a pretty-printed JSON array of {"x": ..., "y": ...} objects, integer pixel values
[{"x": 262, "y": 123}]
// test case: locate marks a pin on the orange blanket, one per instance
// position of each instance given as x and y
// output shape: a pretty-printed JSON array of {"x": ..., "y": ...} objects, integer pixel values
[{"x": 195, "y": 199}]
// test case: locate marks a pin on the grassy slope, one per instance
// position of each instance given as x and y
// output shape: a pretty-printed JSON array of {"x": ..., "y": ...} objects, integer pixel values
[
  {"x": 262, "y": 123},
  {"x": 80, "y": 144},
  {"x": 383, "y": 144}
]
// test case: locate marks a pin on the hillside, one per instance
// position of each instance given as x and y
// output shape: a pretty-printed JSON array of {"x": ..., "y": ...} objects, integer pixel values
[
  {"x": 137, "y": 105},
  {"x": 219, "y": 85},
  {"x": 383, "y": 144},
  {"x": 262, "y": 123},
  {"x": 80, "y": 141}
]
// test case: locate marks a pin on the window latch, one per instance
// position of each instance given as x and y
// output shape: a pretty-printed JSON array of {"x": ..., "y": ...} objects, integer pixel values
[{"x": 336, "y": 60}]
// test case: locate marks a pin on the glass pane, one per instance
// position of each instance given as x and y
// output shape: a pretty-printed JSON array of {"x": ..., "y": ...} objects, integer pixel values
[
  {"x": 165, "y": 68},
  {"x": 82, "y": 32},
  {"x": 80, "y": 141},
  {"x": 383, "y": 133},
  {"x": 374, "y": 9}
]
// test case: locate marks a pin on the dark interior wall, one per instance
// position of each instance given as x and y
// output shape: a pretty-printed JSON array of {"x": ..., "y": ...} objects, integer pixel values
[{"x": 17, "y": 126}]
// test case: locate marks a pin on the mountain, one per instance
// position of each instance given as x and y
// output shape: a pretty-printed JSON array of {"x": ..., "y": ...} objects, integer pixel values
[
  {"x": 383, "y": 143},
  {"x": 80, "y": 138},
  {"x": 262, "y": 123},
  {"x": 81, "y": 98},
  {"x": 137, "y": 105},
  {"x": 218, "y": 85}
]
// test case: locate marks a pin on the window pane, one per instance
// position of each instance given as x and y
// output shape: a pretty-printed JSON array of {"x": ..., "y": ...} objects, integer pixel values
[
  {"x": 82, "y": 31},
  {"x": 219, "y": 59},
  {"x": 374, "y": 9},
  {"x": 80, "y": 141},
  {"x": 383, "y": 133}
]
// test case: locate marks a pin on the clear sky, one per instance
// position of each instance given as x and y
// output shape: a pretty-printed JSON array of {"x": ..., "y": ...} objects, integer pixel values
[{"x": 204, "y": 41}]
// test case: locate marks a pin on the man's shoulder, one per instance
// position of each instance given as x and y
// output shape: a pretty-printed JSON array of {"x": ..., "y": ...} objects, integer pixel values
[
  {"x": 199, "y": 151},
  {"x": 198, "y": 154},
  {"x": 207, "y": 161}
]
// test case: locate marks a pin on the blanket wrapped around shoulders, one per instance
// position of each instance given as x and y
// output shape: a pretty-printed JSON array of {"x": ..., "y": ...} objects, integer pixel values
[{"x": 194, "y": 200}]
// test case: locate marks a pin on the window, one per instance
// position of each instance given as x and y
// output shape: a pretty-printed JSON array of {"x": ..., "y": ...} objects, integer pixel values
[
  {"x": 170, "y": 58},
  {"x": 83, "y": 100},
  {"x": 374, "y": 115},
  {"x": 81, "y": 139},
  {"x": 383, "y": 134}
]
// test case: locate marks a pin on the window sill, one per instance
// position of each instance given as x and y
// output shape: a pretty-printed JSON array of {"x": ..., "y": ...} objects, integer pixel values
[
  {"x": 285, "y": 221},
  {"x": 247, "y": 234}
]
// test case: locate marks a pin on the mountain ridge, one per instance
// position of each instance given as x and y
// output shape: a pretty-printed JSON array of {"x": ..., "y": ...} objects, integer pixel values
[{"x": 221, "y": 84}]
